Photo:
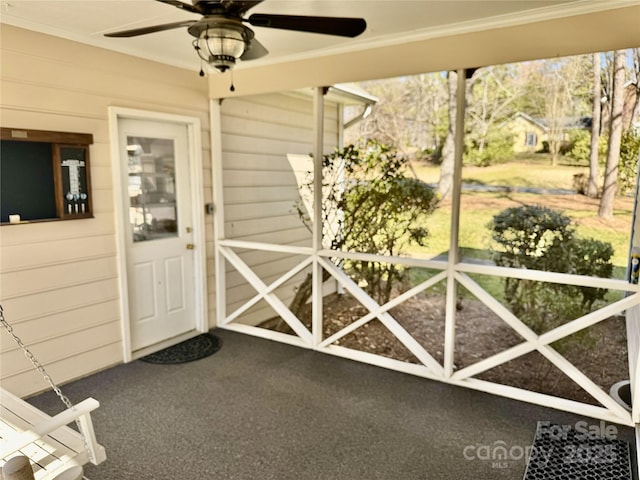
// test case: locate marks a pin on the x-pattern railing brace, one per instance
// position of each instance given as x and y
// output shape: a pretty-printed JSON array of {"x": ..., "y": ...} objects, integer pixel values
[
  {"x": 385, "y": 317},
  {"x": 541, "y": 343},
  {"x": 266, "y": 291}
]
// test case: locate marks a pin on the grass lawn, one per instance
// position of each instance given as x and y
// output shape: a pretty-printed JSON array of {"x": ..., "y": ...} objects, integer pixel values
[
  {"x": 478, "y": 208},
  {"x": 527, "y": 172}
]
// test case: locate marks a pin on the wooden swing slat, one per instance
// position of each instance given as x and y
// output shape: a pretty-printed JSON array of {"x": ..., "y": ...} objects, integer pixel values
[
  {"x": 46, "y": 456},
  {"x": 49, "y": 443}
]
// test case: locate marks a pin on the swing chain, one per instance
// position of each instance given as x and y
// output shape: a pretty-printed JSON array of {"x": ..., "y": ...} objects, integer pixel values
[{"x": 38, "y": 366}]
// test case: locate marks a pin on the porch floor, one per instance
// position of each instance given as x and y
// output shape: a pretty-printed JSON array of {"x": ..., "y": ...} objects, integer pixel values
[{"x": 258, "y": 409}]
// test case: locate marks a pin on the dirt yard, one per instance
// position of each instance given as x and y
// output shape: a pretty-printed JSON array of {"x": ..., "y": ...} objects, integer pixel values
[{"x": 480, "y": 334}]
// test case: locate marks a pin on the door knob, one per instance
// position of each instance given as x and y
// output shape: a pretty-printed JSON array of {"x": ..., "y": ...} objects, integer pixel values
[{"x": 190, "y": 246}]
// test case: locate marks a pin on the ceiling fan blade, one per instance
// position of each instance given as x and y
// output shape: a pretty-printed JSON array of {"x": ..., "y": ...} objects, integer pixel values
[
  {"x": 254, "y": 51},
  {"x": 144, "y": 30},
  {"x": 341, "y": 26},
  {"x": 181, "y": 5},
  {"x": 238, "y": 7}
]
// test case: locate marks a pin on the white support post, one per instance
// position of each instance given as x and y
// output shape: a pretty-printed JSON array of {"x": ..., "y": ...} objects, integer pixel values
[
  {"x": 318, "y": 153},
  {"x": 218, "y": 202},
  {"x": 454, "y": 253}
]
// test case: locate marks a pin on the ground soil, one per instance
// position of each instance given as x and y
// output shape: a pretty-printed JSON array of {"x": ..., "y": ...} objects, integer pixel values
[{"x": 601, "y": 353}]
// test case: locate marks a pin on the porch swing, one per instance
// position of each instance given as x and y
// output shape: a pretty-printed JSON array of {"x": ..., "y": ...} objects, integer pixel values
[{"x": 53, "y": 450}]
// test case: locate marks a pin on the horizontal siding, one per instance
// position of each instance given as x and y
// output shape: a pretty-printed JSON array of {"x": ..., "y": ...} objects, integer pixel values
[
  {"x": 65, "y": 369},
  {"x": 51, "y": 301},
  {"x": 27, "y": 282},
  {"x": 59, "y": 279},
  {"x": 41, "y": 252},
  {"x": 250, "y": 211},
  {"x": 261, "y": 190},
  {"x": 36, "y": 330},
  {"x": 258, "y": 178},
  {"x": 59, "y": 348},
  {"x": 242, "y": 194},
  {"x": 23, "y": 234}
]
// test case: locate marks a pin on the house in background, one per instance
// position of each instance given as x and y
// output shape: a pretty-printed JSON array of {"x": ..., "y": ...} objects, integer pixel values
[
  {"x": 531, "y": 134},
  {"x": 528, "y": 133},
  {"x": 81, "y": 293}
]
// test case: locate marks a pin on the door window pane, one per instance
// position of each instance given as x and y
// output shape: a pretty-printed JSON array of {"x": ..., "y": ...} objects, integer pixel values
[{"x": 152, "y": 188}]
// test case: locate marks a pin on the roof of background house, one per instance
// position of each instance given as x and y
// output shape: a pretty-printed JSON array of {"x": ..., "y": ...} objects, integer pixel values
[{"x": 569, "y": 123}]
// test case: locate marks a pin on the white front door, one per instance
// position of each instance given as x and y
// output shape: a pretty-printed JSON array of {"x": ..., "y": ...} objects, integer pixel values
[{"x": 158, "y": 219}]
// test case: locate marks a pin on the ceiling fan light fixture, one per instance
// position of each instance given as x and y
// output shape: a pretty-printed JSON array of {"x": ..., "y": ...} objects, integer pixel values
[
  {"x": 221, "y": 37},
  {"x": 220, "y": 46}
]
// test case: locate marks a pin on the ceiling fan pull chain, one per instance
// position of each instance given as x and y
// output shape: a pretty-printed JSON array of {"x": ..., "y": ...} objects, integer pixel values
[{"x": 232, "y": 88}]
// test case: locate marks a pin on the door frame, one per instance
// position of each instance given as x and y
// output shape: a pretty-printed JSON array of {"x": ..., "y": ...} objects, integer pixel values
[{"x": 197, "y": 200}]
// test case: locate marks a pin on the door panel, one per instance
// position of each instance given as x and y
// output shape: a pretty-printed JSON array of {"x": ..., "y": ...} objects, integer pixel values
[
  {"x": 174, "y": 269},
  {"x": 160, "y": 259},
  {"x": 145, "y": 277}
]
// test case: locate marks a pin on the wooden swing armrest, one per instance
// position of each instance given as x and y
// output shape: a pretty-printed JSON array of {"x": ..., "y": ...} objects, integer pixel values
[{"x": 80, "y": 411}]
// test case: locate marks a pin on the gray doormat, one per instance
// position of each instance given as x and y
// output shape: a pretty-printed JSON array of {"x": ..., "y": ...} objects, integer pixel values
[
  {"x": 583, "y": 451},
  {"x": 193, "y": 349}
]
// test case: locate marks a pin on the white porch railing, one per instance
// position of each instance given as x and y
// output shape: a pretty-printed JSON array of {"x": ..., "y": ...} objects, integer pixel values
[{"x": 429, "y": 367}]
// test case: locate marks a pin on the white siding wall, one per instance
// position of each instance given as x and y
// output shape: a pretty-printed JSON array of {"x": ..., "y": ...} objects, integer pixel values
[
  {"x": 260, "y": 187},
  {"x": 58, "y": 280}
]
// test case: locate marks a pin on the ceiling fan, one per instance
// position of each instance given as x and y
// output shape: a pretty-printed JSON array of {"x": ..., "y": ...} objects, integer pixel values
[{"x": 221, "y": 36}]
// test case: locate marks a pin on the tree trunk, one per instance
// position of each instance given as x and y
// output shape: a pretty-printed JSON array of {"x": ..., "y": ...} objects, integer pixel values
[
  {"x": 302, "y": 295},
  {"x": 445, "y": 184},
  {"x": 636, "y": 105},
  {"x": 304, "y": 291},
  {"x": 615, "y": 137},
  {"x": 592, "y": 186}
]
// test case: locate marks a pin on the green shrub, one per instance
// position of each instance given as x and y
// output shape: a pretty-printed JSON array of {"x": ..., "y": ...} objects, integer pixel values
[
  {"x": 590, "y": 257},
  {"x": 580, "y": 146},
  {"x": 628, "y": 167},
  {"x": 379, "y": 208},
  {"x": 497, "y": 148},
  {"x": 539, "y": 238},
  {"x": 532, "y": 237}
]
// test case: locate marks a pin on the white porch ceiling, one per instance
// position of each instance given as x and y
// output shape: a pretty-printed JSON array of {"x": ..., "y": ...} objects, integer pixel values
[{"x": 389, "y": 22}]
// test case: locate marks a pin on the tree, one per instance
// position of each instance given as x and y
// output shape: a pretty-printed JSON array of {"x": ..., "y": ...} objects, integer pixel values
[
  {"x": 409, "y": 114},
  {"x": 387, "y": 123},
  {"x": 628, "y": 166},
  {"x": 426, "y": 112},
  {"x": 557, "y": 91},
  {"x": 493, "y": 95},
  {"x": 635, "y": 115},
  {"x": 447, "y": 164},
  {"x": 594, "y": 160},
  {"x": 615, "y": 137}
]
